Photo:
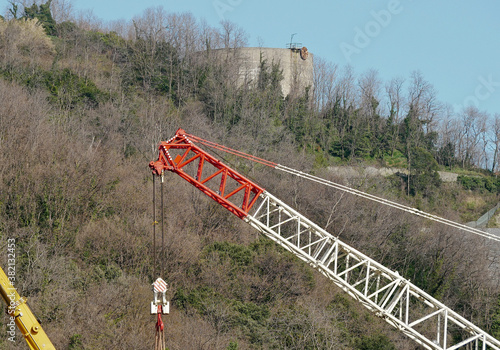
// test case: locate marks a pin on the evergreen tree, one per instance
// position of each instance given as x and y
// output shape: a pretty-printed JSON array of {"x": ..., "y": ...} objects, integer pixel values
[
  {"x": 495, "y": 328},
  {"x": 446, "y": 155},
  {"x": 43, "y": 14},
  {"x": 424, "y": 173},
  {"x": 13, "y": 10}
]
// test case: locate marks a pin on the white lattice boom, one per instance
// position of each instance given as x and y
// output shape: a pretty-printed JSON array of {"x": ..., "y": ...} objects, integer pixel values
[{"x": 381, "y": 290}]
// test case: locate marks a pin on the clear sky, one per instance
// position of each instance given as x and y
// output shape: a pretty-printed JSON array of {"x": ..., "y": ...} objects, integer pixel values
[{"x": 455, "y": 44}]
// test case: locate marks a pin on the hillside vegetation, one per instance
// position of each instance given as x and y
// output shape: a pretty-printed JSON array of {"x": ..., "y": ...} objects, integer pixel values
[{"x": 83, "y": 106}]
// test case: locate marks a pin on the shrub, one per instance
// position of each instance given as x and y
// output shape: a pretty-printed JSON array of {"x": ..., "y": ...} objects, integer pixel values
[
  {"x": 478, "y": 183},
  {"x": 24, "y": 43},
  {"x": 375, "y": 342},
  {"x": 69, "y": 90}
]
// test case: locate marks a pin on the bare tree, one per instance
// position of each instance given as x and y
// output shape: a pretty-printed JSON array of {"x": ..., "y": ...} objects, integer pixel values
[
  {"x": 151, "y": 25},
  {"x": 495, "y": 140},
  {"x": 182, "y": 31},
  {"x": 394, "y": 91},
  {"x": 345, "y": 89},
  {"x": 87, "y": 20},
  {"x": 62, "y": 10},
  {"x": 369, "y": 88},
  {"x": 448, "y": 136},
  {"x": 208, "y": 38},
  {"x": 473, "y": 123},
  {"x": 422, "y": 101},
  {"x": 121, "y": 27},
  {"x": 484, "y": 160},
  {"x": 232, "y": 36},
  {"x": 325, "y": 74}
]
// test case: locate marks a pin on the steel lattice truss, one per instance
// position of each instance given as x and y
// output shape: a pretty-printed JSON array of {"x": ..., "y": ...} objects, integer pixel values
[
  {"x": 381, "y": 290},
  {"x": 385, "y": 292}
]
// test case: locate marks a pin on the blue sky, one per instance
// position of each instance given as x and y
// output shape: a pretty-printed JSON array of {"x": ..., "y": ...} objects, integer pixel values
[{"x": 455, "y": 44}]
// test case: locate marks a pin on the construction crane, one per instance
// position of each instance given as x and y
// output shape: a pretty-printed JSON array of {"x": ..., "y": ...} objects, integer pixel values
[
  {"x": 402, "y": 304},
  {"x": 20, "y": 315}
]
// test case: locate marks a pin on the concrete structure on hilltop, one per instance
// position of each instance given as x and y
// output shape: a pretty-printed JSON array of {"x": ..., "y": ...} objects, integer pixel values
[{"x": 296, "y": 64}]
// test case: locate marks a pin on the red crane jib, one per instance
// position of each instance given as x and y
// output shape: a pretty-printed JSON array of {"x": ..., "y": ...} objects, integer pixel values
[{"x": 232, "y": 190}]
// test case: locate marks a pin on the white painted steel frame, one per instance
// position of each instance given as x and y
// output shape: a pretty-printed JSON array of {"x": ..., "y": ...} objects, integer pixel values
[{"x": 381, "y": 290}]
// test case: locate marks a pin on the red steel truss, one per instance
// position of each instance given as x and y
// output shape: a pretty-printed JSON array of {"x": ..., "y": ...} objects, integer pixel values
[{"x": 190, "y": 163}]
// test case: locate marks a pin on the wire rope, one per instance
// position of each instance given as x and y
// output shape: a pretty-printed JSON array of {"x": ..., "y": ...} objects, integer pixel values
[{"x": 347, "y": 189}]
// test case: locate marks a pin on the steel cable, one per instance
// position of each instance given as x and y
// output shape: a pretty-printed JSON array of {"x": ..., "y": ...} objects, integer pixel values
[{"x": 347, "y": 189}]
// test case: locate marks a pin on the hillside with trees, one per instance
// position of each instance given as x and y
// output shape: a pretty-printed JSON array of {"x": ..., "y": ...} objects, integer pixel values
[{"x": 83, "y": 105}]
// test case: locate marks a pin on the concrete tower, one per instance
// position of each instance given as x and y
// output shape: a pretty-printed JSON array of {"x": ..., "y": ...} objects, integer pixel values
[{"x": 295, "y": 63}]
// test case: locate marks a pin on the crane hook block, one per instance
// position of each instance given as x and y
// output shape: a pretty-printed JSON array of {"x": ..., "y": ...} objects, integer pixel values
[{"x": 160, "y": 303}]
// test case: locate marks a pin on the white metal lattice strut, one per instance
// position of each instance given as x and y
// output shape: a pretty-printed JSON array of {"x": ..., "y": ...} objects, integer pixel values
[{"x": 381, "y": 290}]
